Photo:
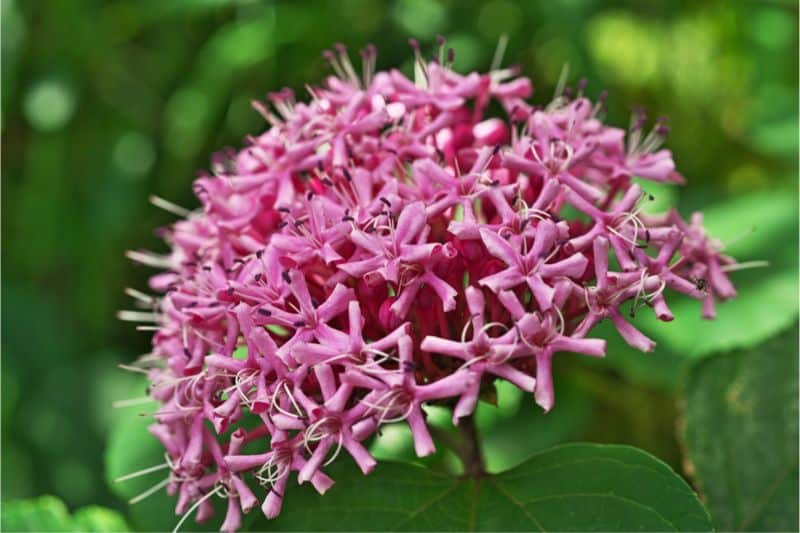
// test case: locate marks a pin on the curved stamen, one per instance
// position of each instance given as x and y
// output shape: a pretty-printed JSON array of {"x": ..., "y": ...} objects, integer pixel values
[
  {"x": 388, "y": 403},
  {"x": 276, "y": 404},
  {"x": 197, "y": 504},
  {"x": 276, "y": 468}
]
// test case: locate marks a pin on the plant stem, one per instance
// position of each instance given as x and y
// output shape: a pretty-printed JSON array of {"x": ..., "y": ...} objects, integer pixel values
[{"x": 471, "y": 454}]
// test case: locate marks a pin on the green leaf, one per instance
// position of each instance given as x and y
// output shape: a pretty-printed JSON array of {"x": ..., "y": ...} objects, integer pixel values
[
  {"x": 100, "y": 519},
  {"x": 741, "y": 429},
  {"x": 777, "y": 138},
  {"x": 48, "y": 513},
  {"x": 752, "y": 225},
  {"x": 509, "y": 437},
  {"x": 660, "y": 369},
  {"x": 576, "y": 487}
]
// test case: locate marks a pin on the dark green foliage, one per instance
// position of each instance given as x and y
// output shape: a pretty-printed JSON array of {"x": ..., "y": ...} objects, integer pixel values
[{"x": 741, "y": 434}]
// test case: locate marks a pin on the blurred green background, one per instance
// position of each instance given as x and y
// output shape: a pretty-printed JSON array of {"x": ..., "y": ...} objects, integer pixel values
[{"x": 104, "y": 103}]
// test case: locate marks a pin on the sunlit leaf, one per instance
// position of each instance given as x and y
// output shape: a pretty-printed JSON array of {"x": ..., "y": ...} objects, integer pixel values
[
  {"x": 758, "y": 227},
  {"x": 751, "y": 224},
  {"x": 759, "y": 311},
  {"x": 100, "y": 519},
  {"x": 48, "y": 513}
]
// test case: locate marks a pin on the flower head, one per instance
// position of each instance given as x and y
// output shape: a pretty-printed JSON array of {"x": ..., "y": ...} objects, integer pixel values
[{"x": 387, "y": 245}]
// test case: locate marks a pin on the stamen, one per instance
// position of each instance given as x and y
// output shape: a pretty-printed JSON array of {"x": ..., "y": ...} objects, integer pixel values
[
  {"x": 385, "y": 357},
  {"x": 239, "y": 381},
  {"x": 368, "y": 58},
  {"x": 130, "y": 368},
  {"x": 132, "y": 402},
  {"x": 473, "y": 361},
  {"x": 142, "y": 297},
  {"x": 315, "y": 433},
  {"x": 275, "y": 401},
  {"x": 169, "y": 206},
  {"x": 266, "y": 113},
  {"x": 138, "y": 316},
  {"x": 388, "y": 402},
  {"x": 275, "y": 470},
  {"x": 499, "y": 52},
  {"x": 141, "y": 472},
  {"x": 197, "y": 504},
  {"x": 347, "y": 66},
  {"x": 152, "y": 490},
  {"x": 420, "y": 68},
  {"x": 337, "y": 451},
  {"x": 740, "y": 237},
  {"x": 745, "y": 265},
  {"x": 331, "y": 58},
  {"x": 490, "y": 325},
  {"x": 149, "y": 259},
  {"x": 440, "y": 42},
  {"x": 599, "y": 107}
]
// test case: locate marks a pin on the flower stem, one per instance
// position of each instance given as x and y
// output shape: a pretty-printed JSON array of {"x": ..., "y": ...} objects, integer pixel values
[{"x": 471, "y": 454}]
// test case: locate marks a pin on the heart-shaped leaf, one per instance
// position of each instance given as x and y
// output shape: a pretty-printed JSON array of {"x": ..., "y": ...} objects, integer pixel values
[
  {"x": 741, "y": 430},
  {"x": 574, "y": 487}
]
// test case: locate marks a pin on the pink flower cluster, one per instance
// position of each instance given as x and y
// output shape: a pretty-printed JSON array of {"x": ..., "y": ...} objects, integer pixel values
[{"x": 388, "y": 244}]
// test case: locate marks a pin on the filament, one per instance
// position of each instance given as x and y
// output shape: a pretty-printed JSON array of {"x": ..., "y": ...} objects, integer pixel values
[
  {"x": 142, "y": 472},
  {"x": 155, "y": 488}
]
